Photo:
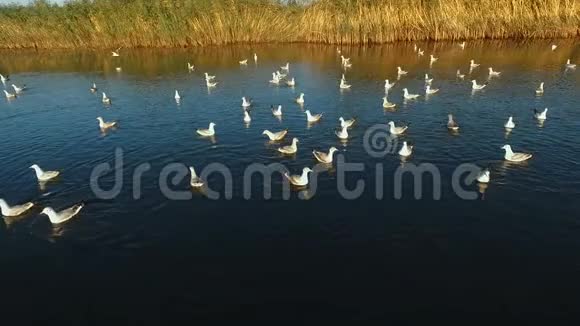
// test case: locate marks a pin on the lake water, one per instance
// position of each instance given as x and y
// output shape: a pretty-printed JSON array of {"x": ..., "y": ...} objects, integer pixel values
[{"x": 513, "y": 249}]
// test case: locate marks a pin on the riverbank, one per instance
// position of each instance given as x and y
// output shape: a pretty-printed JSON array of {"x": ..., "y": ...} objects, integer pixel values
[{"x": 188, "y": 23}]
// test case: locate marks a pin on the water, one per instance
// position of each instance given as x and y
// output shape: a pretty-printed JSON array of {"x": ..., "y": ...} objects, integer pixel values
[{"x": 513, "y": 250}]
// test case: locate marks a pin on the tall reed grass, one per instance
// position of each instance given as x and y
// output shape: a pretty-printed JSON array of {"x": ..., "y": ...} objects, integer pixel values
[{"x": 185, "y": 23}]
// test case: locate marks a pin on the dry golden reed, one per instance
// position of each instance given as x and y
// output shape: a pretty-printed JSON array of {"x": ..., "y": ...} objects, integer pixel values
[{"x": 185, "y": 23}]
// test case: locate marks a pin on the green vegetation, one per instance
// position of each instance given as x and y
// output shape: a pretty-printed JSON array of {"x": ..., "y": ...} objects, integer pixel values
[{"x": 184, "y": 23}]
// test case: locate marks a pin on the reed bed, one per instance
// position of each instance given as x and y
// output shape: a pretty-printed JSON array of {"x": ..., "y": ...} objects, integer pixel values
[{"x": 187, "y": 23}]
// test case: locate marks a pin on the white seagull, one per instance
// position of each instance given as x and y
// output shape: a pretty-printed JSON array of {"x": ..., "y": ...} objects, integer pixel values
[
  {"x": 451, "y": 124},
  {"x": 493, "y": 73},
  {"x": 9, "y": 95},
  {"x": 116, "y": 52},
  {"x": 289, "y": 149},
  {"x": 190, "y": 67},
  {"x": 300, "y": 99},
  {"x": 246, "y": 102},
  {"x": 409, "y": 96},
  {"x": 286, "y": 66},
  {"x": 275, "y": 136},
  {"x": 406, "y": 150},
  {"x": 476, "y": 86},
  {"x": 106, "y": 125},
  {"x": 462, "y": 45},
  {"x": 255, "y": 58},
  {"x": 472, "y": 64},
  {"x": 323, "y": 157},
  {"x": 346, "y": 123},
  {"x": 387, "y": 104},
  {"x": 209, "y": 77},
  {"x": 459, "y": 74},
  {"x": 277, "y": 111},
  {"x": 15, "y": 210},
  {"x": 433, "y": 60},
  {"x": 570, "y": 65},
  {"x": 291, "y": 82},
  {"x": 94, "y": 88},
  {"x": 401, "y": 72},
  {"x": 483, "y": 176},
  {"x": 540, "y": 89},
  {"x": 541, "y": 115},
  {"x": 43, "y": 176},
  {"x": 299, "y": 180},
  {"x": 247, "y": 118},
  {"x": 244, "y": 62},
  {"x": 510, "y": 123},
  {"x": 388, "y": 85},
  {"x": 177, "y": 96},
  {"x": 194, "y": 180},
  {"x": 427, "y": 79},
  {"x": 275, "y": 79},
  {"x": 344, "y": 85},
  {"x": 312, "y": 118},
  {"x": 17, "y": 89},
  {"x": 105, "y": 99},
  {"x": 210, "y": 131},
  {"x": 554, "y": 46},
  {"x": 62, "y": 216},
  {"x": 396, "y": 130},
  {"x": 429, "y": 90},
  {"x": 515, "y": 157},
  {"x": 342, "y": 133}
]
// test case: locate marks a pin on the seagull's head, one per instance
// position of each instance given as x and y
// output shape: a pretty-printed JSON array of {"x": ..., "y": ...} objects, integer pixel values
[
  {"x": 33, "y": 166},
  {"x": 307, "y": 112},
  {"x": 211, "y": 124},
  {"x": 307, "y": 170},
  {"x": 294, "y": 140},
  {"x": 506, "y": 147},
  {"x": 391, "y": 123},
  {"x": 46, "y": 210},
  {"x": 341, "y": 119},
  {"x": 100, "y": 119},
  {"x": 332, "y": 149},
  {"x": 265, "y": 132}
]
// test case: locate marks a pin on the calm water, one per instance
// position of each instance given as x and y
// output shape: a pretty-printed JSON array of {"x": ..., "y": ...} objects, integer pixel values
[{"x": 514, "y": 250}]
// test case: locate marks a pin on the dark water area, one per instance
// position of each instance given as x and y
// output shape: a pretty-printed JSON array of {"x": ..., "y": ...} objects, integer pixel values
[{"x": 510, "y": 253}]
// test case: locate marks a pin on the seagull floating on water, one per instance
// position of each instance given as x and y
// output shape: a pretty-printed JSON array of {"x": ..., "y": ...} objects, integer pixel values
[
  {"x": 9, "y": 95},
  {"x": 312, "y": 118},
  {"x": 388, "y": 85},
  {"x": 430, "y": 91},
  {"x": 62, "y": 216},
  {"x": 286, "y": 66},
  {"x": 118, "y": 69},
  {"x": 15, "y": 210},
  {"x": 177, "y": 96},
  {"x": 323, "y": 157},
  {"x": 540, "y": 89},
  {"x": 3, "y": 79},
  {"x": 18, "y": 90},
  {"x": 291, "y": 82},
  {"x": 43, "y": 176},
  {"x": 541, "y": 115},
  {"x": 194, "y": 180},
  {"x": 387, "y": 104},
  {"x": 300, "y": 99},
  {"x": 570, "y": 65},
  {"x": 207, "y": 132},
  {"x": 105, "y": 99},
  {"x": 346, "y": 123},
  {"x": 277, "y": 111},
  {"x": 420, "y": 52},
  {"x": 472, "y": 64},
  {"x": 493, "y": 73},
  {"x": 299, "y": 180},
  {"x": 397, "y": 130},
  {"x": 451, "y": 124},
  {"x": 515, "y": 157},
  {"x": 462, "y": 45},
  {"x": 190, "y": 67},
  {"x": 255, "y": 58},
  {"x": 116, "y": 52},
  {"x": 459, "y": 74},
  {"x": 289, "y": 149},
  {"x": 427, "y": 79},
  {"x": 246, "y": 102},
  {"x": 483, "y": 176},
  {"x": 209, "y": 83},
  {"x": 406, "y": 150},
  {"x": 433, "y": 59},
  {"x": 247, "y": 118},
  {"x": 344, "y": 85},
  {"x": 94, "y": 88},
  {"x": 275, "y": 136},
  {"x": 409, "y": 96},
  {"x": 342, "y": 133},
  {"x": 209, "y": 77},
  {"x": 510, "y": 123},
  {"x": 275, "y": 79},
  {"x": 554, "y": 46},
  {"x": 106, "y": 125},
  {"x": 476, "y": 86},
  {"x": 401, "y": 72},
  {"x": 244, "y": 62}
]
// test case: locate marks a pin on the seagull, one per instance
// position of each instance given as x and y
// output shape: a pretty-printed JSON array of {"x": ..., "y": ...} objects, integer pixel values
[
  {"x": 291, "y": 82},
  {"x": 275, "y": 79},
  {"x": 476, "y": 86},
  {"x": 255, "y": 58},
  {"x": 62, "y": 216},
  {"x": 387, "y": 104},
  {"x": 408, "y": 96},
  {"x": 541, "y": 115},
  {"x": 209, "y": 77},
  {"x": 244, "y": 62},
  {"x": 347, "y": 65},
  {"x": 459, "y": 74},
  {"x": 177, "y": 97},
  {"x": 401, "y": 72},
  {"x": 312, "y": 118},
  {"x": 554, "y": 46},
  {"x": 4, "y": 79},
  {"x": 275, "y": 136},
  {"x": 570, "y": 65},
  {"x": 428, "y": 80},
  {"x": 388, "y": 85},
  {"x": 207, "y": 132},
  {"x": 280, "y": 75},
  {"x": 345, "y": 61},
  {"x": 462, "y": 45},
  {"x": 17, "y": 89},
  {"x": 247, "y": 118},
  {"x": 94, "y": 88},
  {"x": 14, "y": 210},
  {"x": 286, "y": 67},
  {"x": 278, "y": 111},
  {"x": 116, "y": 52},
  {"x": 540, "y": 89},
  {"x": 289, "y": 149},
  {"x": 342, "y": 78},
  {"x": 429, "y": 90},
  {"x": 9, "y": 95},
  {"x": 106, "y": 125},
  {"x": 44, "y": 175},
  {"x": 194, "y": 180},
  {"x": 415, "y": 47},
  {"x": 493, "y": 73},
  {"x": 246, "y": 102},
  {"x": 323, "y": 157},
  {"x": 300, "y": 99},
  {"x": 451, "y": 124},
  {"x": 346, "y": 123},
  {"x": 406, "y": 150},
  {"x": 420, "y": 52},
  {"x": 299, "y": 180},
  {"x": 209, "y": 83},
  {"x": 510, "y": 123},
  {"x": 483, "y": 176},
  {"x": 344, "y": 85},
  {"x": 433, "y": 59},
  {"x": 342, "y": 133},
  {"x": 397, "y": 130},
  {"x": 105, "y": 99},
  {"x": 190, "y": 67},
  {"x": 473, "y": 65},
  {"x": 515, "y": 157},
  {"x": 118, "y": 69}
]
